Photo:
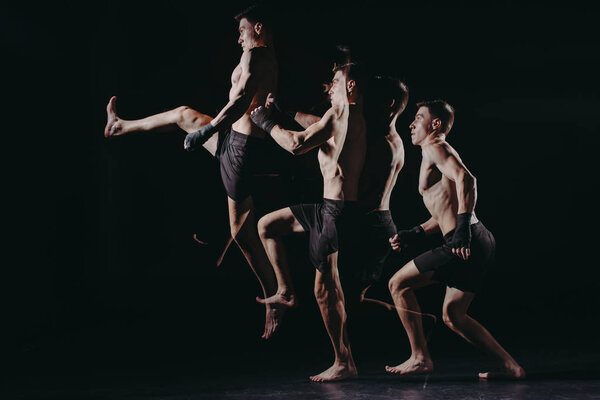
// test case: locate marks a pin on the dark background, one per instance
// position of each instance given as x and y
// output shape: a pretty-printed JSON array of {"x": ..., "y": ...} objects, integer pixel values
[{"x": 101, "y": 271}]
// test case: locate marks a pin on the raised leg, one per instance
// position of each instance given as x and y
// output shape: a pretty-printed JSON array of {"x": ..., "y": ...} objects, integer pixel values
[
  {"x": 330, "y": 298},
  {"x": 271, "y": 229},
  {"x": 183, "y": 118},
  {"x": 456, "y": 304}
]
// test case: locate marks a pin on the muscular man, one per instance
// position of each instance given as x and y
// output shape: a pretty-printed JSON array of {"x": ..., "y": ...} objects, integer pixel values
[
  {"x": 385, "y": 101},
  {"x": 235, "y": 146},
  {"x": 340, "y": 136},
  {"x": 449, "y": 192}
]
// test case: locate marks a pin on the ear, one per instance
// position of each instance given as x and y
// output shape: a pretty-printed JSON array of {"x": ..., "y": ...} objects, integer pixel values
[
  {"x": 436, "y": 123},
  {"x": 393, "y": 103},
  {"x": 350, "y": 85},
  {"x": 258, "y": 28}
]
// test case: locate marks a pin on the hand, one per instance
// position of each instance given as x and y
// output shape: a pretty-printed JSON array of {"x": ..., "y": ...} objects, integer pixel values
[
  {"x": 196, "y": 139},
  {"x": 405, "y": 237},
  {"x": 262, "y": 118},
  {"x": 395, "y": 243},
  {"x": 461, "y": 240}
]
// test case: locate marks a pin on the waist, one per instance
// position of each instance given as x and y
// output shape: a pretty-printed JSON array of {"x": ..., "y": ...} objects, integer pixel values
[{"x": 241, "y": 139}]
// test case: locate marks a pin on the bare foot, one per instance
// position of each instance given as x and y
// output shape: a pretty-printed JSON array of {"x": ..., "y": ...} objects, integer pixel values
[
  {"x": 510, "y": 373},
  {"x": 336, "y": 372},
  {"x": 113, "y": 123},
  {"x": 412, "y": 366},
  {"x": 283, "y": 299},
  {"x": 276, "y": 306}
]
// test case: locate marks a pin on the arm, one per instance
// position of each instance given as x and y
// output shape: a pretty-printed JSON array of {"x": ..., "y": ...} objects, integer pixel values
[
  {"x": 243, "y": 92},
  {"x": 292, "y": 141},
  {"x": 451, "y": 166},
  {"x": 240, "y": 98},
  {"x": 406, "y": 237}
]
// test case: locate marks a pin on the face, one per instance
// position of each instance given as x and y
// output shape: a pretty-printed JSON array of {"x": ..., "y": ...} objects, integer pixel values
[
  {"x": 248, "y": 36},
  {"x": 421, "y": 126},
  {"x": 337, "y": 89}
]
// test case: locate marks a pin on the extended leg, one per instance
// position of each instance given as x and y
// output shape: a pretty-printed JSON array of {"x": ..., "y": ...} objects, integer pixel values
[
  {"x": 456, "y": 304},
  {"x": 330, "y": 299},
  {"x": 183, "y": 117},
  {"x": 244, "y": 232}
]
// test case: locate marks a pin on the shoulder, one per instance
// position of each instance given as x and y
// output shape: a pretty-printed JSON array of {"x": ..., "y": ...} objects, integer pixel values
[{"x": 437, "y": 150}]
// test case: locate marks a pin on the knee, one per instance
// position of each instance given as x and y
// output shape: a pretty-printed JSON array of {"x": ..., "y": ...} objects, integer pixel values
[
  {"x": 398, "y": 285},
  {"x": 182, "y": 113},
  {"x": 264, "y": 227},
  {"x": 452, "y": 317}
]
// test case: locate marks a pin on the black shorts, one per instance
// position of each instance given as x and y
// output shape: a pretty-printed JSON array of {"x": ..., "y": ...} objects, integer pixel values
[
  {"x": 237, "y": 154},
  {"x": 324, "y": 222},
  {"x": 466, "y": 275}
]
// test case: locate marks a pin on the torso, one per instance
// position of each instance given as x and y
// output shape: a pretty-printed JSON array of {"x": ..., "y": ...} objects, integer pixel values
[
  {"x": 266, "y": 61},
  {"x": 384, "y": 160},
  {"x": 341, "y": 158},
  {"x": 439, "y": 195}
]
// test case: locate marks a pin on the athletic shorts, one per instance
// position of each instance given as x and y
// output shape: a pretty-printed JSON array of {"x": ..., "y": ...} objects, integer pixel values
[
  {"x": 324, "y": 222},
  {"x": 237, "y": 154},
  {"x": 466, "y": 275}
]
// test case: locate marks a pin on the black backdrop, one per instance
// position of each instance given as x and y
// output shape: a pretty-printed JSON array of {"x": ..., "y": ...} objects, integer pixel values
[{"x": 101, "y": 265}]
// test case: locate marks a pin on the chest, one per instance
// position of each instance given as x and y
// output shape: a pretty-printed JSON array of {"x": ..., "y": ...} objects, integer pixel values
[{"x": 429, "y": 177}]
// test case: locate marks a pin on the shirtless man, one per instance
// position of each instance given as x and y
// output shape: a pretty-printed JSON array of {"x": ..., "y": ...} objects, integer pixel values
[
  {"x": 449, "y": 193},
  {"x": 386, "y": 100},
  {"x": 235, "y": 146},
  {"x": 340, "y": 136}
]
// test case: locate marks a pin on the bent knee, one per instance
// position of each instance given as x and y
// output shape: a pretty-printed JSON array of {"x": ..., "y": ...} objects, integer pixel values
[
  {"x": 453, "y": 318},
  {"x": 264, "y": 227},
  {"x": 398, "y": 285}
]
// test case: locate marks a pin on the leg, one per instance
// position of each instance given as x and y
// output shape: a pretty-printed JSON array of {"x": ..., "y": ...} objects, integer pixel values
[
  {"x": 243, "y": 231},
  {"x": 182, "y": 117},
  {"x": 455, "y": 317},
  {"x": 330, "y": 299},
  {"x": 402, "y": 286},
  {"x": 271, "y": 228}
]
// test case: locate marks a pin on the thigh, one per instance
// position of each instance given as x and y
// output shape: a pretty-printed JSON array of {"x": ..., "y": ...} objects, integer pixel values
[
  {"x": 457, "y": 301},
  {"x": 280, "y": 223},
  {"x": 410, "y": 276}
]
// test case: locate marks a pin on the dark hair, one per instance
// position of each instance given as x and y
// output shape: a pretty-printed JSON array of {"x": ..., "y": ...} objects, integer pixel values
[
  {"x": 255, "y": 13},
  {"x": 382, "y": 90},
  {"x": 442, "y": 110}
]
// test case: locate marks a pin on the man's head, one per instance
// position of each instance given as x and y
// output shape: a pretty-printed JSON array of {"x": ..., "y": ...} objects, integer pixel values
[
  {"x": 254, "y": 27},
  {"x": 337, "y": 89},
  {"x": 355, "y": 79},
  {"x": 433, "y": 117},
  {"x": 386, "y": 98}
]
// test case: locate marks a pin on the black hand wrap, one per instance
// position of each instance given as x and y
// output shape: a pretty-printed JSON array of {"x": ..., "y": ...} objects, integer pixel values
[
  {"x": 196, "y": 139},
  {"x": 283, "y": 108},
  {"x": 262, "y": 118},
  {"x": 409, "y": 236},
  {"x": 462, "y": 232}
]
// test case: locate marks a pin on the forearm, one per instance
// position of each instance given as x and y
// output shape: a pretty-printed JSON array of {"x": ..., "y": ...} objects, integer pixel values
[
  {"x": 288, "y": 140},
  {"x": 233, "y": 110}
]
